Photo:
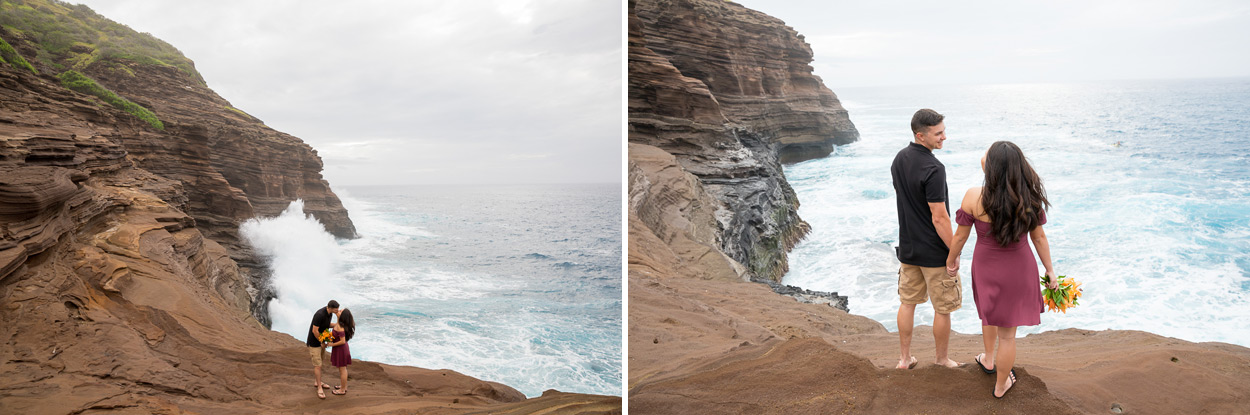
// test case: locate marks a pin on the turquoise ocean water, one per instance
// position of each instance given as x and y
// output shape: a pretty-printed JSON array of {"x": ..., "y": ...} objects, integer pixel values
[
  {"x": 514, "y": 284},
  {"x": 1157, "y": 227}
]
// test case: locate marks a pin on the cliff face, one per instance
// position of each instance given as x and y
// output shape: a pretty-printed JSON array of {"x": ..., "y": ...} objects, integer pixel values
[
  {"x": 231, "y": 165},
  {"x": 728, "y": 91},
  {"x": 227, "y": 165},
  {"x": 757, "y": 68},
  {"x": 123, "y": 282}
]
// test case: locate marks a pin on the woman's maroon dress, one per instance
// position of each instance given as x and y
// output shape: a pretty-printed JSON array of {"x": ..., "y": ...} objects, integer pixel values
[
  {"x": 1005, "y": 284},
  {"x": 341, "y": 355}
]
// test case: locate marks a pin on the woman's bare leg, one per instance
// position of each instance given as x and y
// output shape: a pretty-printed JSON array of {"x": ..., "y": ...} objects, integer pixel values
[
  {"x": 1006, "y": 358},
  {"x": 989, "y": 335}
]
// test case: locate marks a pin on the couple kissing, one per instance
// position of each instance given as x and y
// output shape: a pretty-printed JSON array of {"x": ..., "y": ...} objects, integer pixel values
[{"x": 321, "y": 334}]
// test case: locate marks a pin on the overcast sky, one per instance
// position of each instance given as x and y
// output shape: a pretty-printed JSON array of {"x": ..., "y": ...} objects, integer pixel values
[
  {"x": 415, "y": 92},
  {"x": 882, "y": 43}
]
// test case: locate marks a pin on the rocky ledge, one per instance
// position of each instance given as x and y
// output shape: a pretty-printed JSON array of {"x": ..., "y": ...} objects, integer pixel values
[
  {"x": 124, "y": 286},
  {"x": 804, "y": 295}
]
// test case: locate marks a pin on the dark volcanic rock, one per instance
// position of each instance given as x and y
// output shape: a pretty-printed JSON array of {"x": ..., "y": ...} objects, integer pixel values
[
  {"x": 729, "y": 92},
  {"x": 804, "y": 295}
]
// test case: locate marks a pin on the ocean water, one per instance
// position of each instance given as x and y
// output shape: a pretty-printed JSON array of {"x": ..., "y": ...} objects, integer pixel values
[
  {"x": 1156, "y": 227},
  {"x": 514, "y": 284}
]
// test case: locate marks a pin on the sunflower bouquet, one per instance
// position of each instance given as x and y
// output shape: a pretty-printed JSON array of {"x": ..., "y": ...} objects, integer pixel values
[
  {"x": 1062, "y": 298},
  {"x": 326, "y": 336}
]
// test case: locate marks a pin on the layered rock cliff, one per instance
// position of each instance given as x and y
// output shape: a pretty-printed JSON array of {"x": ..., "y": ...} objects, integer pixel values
[
  {"x": 123, "y": 282},
  {"x": 228, "y": 165},
  {"x": 701, "y": 341},
  {"x": 729, "y": 93},
  {"x": 758, "y": 69}
]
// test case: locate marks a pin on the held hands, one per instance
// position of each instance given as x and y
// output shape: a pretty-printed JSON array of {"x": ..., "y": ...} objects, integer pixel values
[{"x": 952, "y": 266}]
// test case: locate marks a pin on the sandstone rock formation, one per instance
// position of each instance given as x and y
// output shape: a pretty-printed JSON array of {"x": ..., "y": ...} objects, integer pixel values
[
  {"x": 123, "y": 283},
  {"x": 228, "y": 165},
  {"x": 708, "y": 206},
  {"x": 729, "y": 92},
  {"x": 757, "y": 68}
]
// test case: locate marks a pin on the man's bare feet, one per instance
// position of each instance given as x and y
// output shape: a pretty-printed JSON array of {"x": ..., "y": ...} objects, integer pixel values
[
  {"x": 323, "y": 384},
  {"x": 948, "y": 363},
  {"x": 906, "y": 364}
]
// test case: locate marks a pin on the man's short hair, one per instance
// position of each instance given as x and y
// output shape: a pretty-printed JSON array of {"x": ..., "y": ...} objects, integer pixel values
[
  {"x": 925, "y": 118},
  {"x": 333, "y": 304}
]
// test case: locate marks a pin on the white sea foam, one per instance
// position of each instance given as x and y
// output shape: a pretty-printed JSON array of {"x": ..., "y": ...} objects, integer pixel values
[
  {"x": 303, "y": 259},
  {"x": 1155, "y": 237},
  {"x": 474, "y": 301},
  {"x": 475, "y": 295}
]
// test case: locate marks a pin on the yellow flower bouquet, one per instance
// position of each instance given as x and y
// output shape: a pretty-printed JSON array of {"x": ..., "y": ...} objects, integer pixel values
[
  {"x": 1062, "y": 298},
  {"x": 326, "y": 336}
]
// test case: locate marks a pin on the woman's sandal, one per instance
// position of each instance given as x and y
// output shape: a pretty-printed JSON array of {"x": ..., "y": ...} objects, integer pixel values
[
  {"x": 1011, "y": 382},
  {"x": 983, "y": 369},
  {"x": 337, "y": 391}
]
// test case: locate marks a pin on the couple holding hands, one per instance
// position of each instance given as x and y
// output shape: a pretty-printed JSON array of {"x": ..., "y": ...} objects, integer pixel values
[{"x": 1010, "y": 204}]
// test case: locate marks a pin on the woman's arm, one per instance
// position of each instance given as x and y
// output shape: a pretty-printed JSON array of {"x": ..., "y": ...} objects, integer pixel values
[
  {"x": 1038, "y": 235},
  {"x": 961, "y": 233},
  {"x": 957, "y": 246}
]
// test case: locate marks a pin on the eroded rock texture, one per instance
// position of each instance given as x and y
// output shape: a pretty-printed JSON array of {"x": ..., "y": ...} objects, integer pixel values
[
  {"x": 729, "y": 92},
  {"x": 758, "y": 69}
]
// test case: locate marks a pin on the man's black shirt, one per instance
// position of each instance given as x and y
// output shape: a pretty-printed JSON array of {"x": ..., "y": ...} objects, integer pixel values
[
  {"x": 919, "y": 179},
  {"x": 322, "y": 320}
]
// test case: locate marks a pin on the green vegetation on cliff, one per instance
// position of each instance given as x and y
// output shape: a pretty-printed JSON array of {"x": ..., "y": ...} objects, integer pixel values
[
  {"x": 81, "y": 83},
  {"x": 72, "y": 36},
  {"x": 240, "y": 112},
  {"x": 10, "y": 56}
]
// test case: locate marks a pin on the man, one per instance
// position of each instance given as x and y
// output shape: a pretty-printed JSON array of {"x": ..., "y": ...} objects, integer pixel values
[
  {"x": 924, "y": 237},
  {"x": 320, "y": 322}
]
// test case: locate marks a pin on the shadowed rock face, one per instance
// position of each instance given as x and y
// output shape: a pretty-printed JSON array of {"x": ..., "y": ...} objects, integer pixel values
[
  {"x": 729, "y": 92},
  {"x": 123, "y": 282}
]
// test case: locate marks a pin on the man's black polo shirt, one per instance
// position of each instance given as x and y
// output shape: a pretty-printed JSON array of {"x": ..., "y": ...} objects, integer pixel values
[
  {"x": 919, "y": 179},
  {"x": 321, "y": 319}
]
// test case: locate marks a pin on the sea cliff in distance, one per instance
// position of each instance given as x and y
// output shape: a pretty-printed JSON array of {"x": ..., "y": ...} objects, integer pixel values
[
  {"x": 123, "y": 180},
  {"x": 710, "y": 209}
]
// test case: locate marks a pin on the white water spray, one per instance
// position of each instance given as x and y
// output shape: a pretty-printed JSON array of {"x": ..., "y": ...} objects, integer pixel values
[{"x": 303, "y": 259}]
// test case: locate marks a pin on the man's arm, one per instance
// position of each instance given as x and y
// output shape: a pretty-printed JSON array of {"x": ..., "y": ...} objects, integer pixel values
[{"x": 941, "y": 222}]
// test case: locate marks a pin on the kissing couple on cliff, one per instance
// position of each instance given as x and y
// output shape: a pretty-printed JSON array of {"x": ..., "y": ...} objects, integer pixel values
[
  {"x": 340, "y": 332},
  {"x": 1010, "y": 204}
]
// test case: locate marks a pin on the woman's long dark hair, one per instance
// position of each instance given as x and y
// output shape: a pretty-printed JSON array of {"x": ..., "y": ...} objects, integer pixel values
[
  {"x": 1013, "y": 196},
  {"x": 347, "y": 323}
]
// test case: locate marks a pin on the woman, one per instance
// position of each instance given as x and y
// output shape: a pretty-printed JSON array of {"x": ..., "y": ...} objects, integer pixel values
[
  {"x": 341, "y": 356},
  {"x": 1010, "y": 204}
]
